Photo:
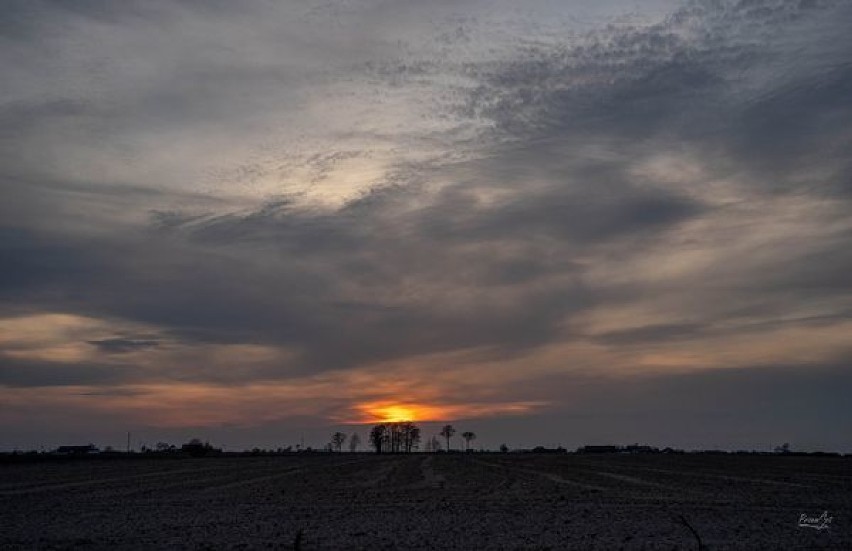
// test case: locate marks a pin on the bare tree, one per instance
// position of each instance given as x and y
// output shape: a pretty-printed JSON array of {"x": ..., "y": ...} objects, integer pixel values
[
  {"x": 447, "y": 432},
  {"x": 165, "y": 447},
  {"x": 378, "y": 436},
  {"x": 337, "y": 440},
  {"x": 394, "y": 435},
  {"x": 468, "y": 436},
  {"x": 354, "y": 442},
  {"x": 410, "y": 436}
]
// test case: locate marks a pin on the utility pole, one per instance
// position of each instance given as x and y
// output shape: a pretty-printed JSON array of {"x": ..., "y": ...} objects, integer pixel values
[{"x": 128, "y": 441}]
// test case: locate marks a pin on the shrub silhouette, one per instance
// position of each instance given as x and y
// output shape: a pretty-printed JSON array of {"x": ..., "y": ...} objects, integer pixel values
[{"x": 195, "y": 448}]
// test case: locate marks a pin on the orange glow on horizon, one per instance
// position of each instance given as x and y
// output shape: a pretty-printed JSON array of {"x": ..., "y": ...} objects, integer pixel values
[
  {"x": 392, "y": 412},
  {"x": 396, "y": 412}
]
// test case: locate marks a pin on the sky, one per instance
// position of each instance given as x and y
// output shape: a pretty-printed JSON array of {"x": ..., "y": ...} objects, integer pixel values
[{"x": 549, "y": 222}]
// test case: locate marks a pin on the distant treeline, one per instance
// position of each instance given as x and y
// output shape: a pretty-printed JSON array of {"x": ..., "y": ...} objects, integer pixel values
[
  {"x": 637, "y": 449},
  {"x": 397, "y": 437}
]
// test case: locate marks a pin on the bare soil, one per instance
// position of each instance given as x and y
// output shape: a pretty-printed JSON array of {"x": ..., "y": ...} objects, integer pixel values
[{"x": 428, "y": 501}]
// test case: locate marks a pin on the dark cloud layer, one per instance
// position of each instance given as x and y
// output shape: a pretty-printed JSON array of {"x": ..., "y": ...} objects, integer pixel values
[
  {"x": 28, "y": 373},
  {"x": 123, "y": 345}
]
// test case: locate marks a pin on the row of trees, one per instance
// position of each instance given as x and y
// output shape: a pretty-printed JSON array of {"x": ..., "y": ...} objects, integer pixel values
[
  {"x": 401, "y": 437},
  {"x": 395, "y": 437},
  {"x": 448, "y": 431},
  {"x": 338, "y": 439}
]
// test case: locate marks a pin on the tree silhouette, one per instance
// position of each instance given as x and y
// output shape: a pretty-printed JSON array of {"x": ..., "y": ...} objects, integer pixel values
[
  {"x": 378, "y": 435},
  {"x": 410, "y": 436},
  {"x": 468, "y": 436},
  {"x": 395, "y": 437},
  {"x": 447, "y": 432},
  {"x": 337, "y": 440},
  {"x": 196, "y": 448},
  {"x": 783, "y": 448},
  {"x": 165, "y": 447},
  {"x": 354, "y": 442}
]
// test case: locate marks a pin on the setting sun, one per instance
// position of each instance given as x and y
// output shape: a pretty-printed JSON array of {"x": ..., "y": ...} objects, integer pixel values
[{"x": 394, "y": 413}]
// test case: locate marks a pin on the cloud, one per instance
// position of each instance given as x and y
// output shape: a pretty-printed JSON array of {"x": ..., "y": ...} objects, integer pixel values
[
  {"x": 650, "y": 333},
  {"x": 764, "y": 406},
  {"x": 123, "y": 345},
  {"x": 24, "y": 373},
  {"x": 631, "y": 189}
]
